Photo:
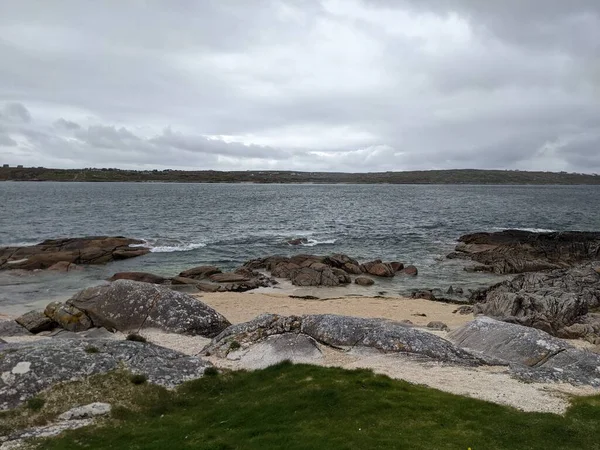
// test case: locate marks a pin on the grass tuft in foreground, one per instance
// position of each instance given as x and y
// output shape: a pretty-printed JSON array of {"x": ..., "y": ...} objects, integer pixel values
[{"x": 308, "y": 407}]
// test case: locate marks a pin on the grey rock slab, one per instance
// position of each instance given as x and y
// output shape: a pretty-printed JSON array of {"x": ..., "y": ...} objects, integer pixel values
[
  {"x": 35, "y": 321},
  {"x": 297, "y": 348},
  {"x": 384, "y": 335},
  {"x": 534, "y": 355},
  {"x": 129, "y": 305},
  {"x": 28, "y": 368}
]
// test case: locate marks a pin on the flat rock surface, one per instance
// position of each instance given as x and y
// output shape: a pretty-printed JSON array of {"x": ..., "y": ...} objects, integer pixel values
[{"x": 28, "y": 368}]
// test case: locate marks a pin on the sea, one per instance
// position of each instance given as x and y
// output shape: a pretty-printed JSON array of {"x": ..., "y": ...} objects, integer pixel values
[{"x": 187, "y": 225}]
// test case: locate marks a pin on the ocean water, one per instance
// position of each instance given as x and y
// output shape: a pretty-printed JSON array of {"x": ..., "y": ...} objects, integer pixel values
[{"x": 227, "y": 224}]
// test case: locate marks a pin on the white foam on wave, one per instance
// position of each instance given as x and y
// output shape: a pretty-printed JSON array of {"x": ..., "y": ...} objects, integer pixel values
[
  {"x": 162, "y": 247},
  {"x": 313, "y": 242},
  {"x": 533, "y": 230}
]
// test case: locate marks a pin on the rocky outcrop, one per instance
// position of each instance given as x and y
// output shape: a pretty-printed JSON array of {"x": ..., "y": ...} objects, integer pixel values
[
  {"x": 533, "y": 354},
  {"x": 200, "y": 273},
  {"x": 516, "y": 251},
  {"x": 28, "y": 368},
  {"x": 551, "y": 301},
  {"x": 10, "y": 328},
  {"x": 364, "y": 281},
  {"x": 314, "y": 270},
  {"x": 341, "y": 332},
  {"x": 87, "y": 250},
  {"x": 129, "y": 305}
]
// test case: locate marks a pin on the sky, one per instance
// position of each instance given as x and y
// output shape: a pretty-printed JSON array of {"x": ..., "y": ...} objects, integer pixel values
[{"x": 307, "y": 85}]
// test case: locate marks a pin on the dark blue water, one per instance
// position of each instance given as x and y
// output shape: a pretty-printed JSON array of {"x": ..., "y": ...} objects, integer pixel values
[{"x": 227, "y": 224}]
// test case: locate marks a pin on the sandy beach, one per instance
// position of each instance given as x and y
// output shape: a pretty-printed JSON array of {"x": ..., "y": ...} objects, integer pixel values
[{"x": 242, "y": 307}]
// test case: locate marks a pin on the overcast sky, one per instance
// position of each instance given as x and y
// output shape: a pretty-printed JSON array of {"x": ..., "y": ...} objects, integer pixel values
[{"x": 335, "y": 85}]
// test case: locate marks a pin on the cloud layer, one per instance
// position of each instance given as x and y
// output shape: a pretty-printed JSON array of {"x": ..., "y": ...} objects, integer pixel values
[{"x": 336, "y": 85}]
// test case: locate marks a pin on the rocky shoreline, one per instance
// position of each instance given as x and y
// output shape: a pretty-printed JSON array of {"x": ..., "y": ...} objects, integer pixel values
[{"x": 519, "y": 325}]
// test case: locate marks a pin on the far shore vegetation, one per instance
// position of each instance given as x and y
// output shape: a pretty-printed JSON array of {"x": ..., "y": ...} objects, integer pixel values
[
  {"x": 302, "y": 407},
  {"x": 463, "y": 176}
]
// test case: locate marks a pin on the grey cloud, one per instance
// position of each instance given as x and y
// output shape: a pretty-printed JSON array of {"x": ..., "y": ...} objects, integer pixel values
[
  {"x": 6, "y": 141},
  {"x": 66, "y": 124},
  {"x": 15, "y": 112}
]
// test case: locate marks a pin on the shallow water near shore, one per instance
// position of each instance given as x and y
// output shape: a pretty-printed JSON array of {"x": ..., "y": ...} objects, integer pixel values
[{"x": 227, "y": 224}]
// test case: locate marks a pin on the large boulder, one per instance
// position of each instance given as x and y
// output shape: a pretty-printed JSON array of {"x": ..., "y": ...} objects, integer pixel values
[
  {"x": 307, "y": 276},
  {"x": 28, "y": 368},
  {"x": 200, "y": 272},
  {"x": 87, "y": 250},
  {"x": 533, "y": 354},
  {"x": 550, "y": 301},
  {"x": 130, "y": 305},
  {"x": 378, "y": 268},
  {"x": 340, "y": 331},
  {"x": 517, "y": 251},
  {"x": 364, "y": 281}
]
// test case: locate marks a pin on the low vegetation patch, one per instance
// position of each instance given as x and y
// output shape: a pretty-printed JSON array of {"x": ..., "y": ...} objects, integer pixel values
[{"x": 308, "y": 407}]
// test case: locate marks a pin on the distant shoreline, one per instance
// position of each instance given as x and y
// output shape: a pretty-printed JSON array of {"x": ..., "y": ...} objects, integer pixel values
[{"x": 435, "y": 177}]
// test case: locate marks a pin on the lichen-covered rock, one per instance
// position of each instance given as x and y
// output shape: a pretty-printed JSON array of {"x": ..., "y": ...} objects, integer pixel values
[
  {"x": 130, "y": 305},
  {"x": 533, "y": 354},
  {"x": 28, "y": 368},
  {"x": 342, "y": 331},
  {"x": 68, "y": 317},
  {"x": 35, "y": 322}
]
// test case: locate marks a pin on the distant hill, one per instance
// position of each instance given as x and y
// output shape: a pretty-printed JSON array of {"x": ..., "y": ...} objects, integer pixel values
[{"x": 462, "y": 176}]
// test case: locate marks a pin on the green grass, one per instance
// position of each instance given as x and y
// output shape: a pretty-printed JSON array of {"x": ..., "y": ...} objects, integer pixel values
[{"x": 307, "y": 407}]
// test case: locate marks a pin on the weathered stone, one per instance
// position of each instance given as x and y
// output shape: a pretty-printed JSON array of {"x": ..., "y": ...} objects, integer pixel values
[
  {"x": 10, "y": 328},
  {"x": 68, "y": 317},
  {"x": 284, "y": 269},
  {"x": 200, "y": 272},
  {"x": 28, "y": 368},
  {"x": 437, "y": 325},
  {"x": 533, "y": 354},
  {"x": 378, "y": 268},
  {"x": 549, "y": 301},
  {"x": 86, "y": 412},
  {"x": 343, "y": 277},
  {"x": 410, "y": 271},
  {"x": 463, "y": 310},
  {"x": 129, "y": 305},
  {"x": 311, "y": 277},
  {"x": 517, "y": 251},
  {"x": 183, "y": 280},
  {"x": 35, "y": 321},
  {"x": 341, "y": 331},
  {"x": 88, "y": 250},
  {"x": 364, "y": 281},
  {"x": 396, "y": 266},
  {"x": 352, "y": 268},
  {"x": 142, "y": 277},
  {"x": 424, "y": 294}
]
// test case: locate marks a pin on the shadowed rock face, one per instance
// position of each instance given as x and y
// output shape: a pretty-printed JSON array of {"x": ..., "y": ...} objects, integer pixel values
[
  {"x": 87, "y": 250},
  {"x": 130, "y": 305},
  {"x": 28, "y": 368},
  {"x": 342, "y": 331},
  {"x": 533, "y": 354},
  {"x": 516, "y": 251},
  {"x": 550, "y": 301}
]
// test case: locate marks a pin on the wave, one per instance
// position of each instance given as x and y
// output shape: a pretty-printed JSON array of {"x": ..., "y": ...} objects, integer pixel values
[
  {"x": 169, "y": 245},
  {"x": 313, "y": 242},
  {"x": 533, "y": 230}
]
